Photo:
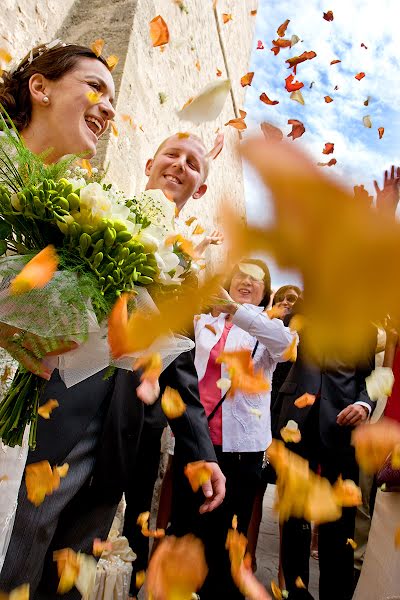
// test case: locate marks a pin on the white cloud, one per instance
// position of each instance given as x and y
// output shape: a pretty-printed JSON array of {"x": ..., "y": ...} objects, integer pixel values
[{"x": 361, "y": 156}]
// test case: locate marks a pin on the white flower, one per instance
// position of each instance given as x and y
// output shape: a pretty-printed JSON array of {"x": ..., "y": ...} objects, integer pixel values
[
  {"x": 167, "y": 279},
  {"x": 76, "y": 182},
  {"x": 380, "y": 383},
  {"x": 150, "y": 238},
  {"x": 156, "y": 206},
  {"x": 96, "y": 200}
]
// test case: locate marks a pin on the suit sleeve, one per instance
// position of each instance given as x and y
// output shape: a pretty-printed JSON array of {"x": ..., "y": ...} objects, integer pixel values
[{"x": 192, "y": 437}]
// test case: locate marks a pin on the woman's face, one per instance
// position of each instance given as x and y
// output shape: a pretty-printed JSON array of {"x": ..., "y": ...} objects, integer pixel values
[
  {"x": 246, "y": 289},
  {"x": 286, "y": 300},
  {"x": 72, "y": 121}
]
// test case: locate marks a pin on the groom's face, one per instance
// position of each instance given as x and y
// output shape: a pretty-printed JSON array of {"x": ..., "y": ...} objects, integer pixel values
[{"x": 178, "y": 169}]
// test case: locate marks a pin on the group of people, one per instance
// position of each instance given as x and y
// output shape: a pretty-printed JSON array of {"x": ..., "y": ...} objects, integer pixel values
[{"x": 111, "y": 440}]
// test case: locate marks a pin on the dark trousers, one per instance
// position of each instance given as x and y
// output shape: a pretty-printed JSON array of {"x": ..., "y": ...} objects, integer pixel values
[
  {"x": 336, "y": 557},
  {"x": 70, "y": 518},
  {"x": 242, "y": 472},
  {"x": 139, "y": 494}
]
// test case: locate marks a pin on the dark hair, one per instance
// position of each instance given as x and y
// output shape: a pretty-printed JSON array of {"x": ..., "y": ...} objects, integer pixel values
[
  {"x": 267, "y": 278},
  {"x": 282, "y": 290},
  {"x": 53, "y": 63}
]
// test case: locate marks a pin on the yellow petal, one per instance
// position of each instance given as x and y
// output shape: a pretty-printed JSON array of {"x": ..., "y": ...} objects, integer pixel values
[
  {"x": 19, "y": 593},
  {"x": 63, "y": 470},
  {"x": 5, "y": 56},
  {"x": 172, "y": 403},
  {"x": 351, "y": 543},
  {"x": 94, "y": 97},
  {"x": 299, "y": 583},
  {"x": 198, "y": 473},
  {"x": 112, "y": 62},
  {"x": 37, "y": 272},
  {"x": 198, "y": 230},
  {"x": 46, "y": 409},
  {"x": 140, "y": 578},
  {"x": 297, "y": 96},
  {"x": 97, "y": 46},
  {"x": 291, "y": 432}
]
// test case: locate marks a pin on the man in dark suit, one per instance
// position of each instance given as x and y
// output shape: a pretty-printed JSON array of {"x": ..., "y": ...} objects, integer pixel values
[
  {"x": 97, "y": 429},
  {"x": 342, "y": 403}
]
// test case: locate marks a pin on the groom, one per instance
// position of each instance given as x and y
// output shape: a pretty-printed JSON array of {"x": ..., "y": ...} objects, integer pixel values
[{"x": 98, "y": 430}]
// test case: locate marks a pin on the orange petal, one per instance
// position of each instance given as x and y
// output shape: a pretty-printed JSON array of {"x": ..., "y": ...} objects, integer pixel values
[
  {"x": 37, "y": 272},
  {"x": 234, "y": 522},
  {"x": 347, "y": 493},
  {"x": 291, "y": 351},
  {"x": 351, "y": 543},
  {"x": 291, "y": 432},
  {"x": 328, "y": 99},
  {"x": 152, "y": 366},
  {"x": 197, "y": 65},
  {"x": 374, "y": 442},
  {"x": 94, "y": 97},
  {"x": 112, "y": 62},
  {"x": 99, "y": 547},
  {"x": 218, "y": 72},
  {"x": 19, "y": 593},
  {"x": 241, "y": 372},
  {"x": 335, "y": 62},
  {"x": 210, "y": 328},
  {"x": 171, "y": 572},
  {"x": 159, "y": 32},
  {"x": 329, "y": 148},
  {"x": 114, "y": 128},
  {"x": 276, "y": 591},
  {"x": 172, "y": 403},
  {"x": 330, "y": 163},
  {"x": 247, "y": 79},
  {"x": 328, "y": 16},
  {"x": 282, "y": 28},
  {"x": 253, "y": 12},
  {"x": 67, "y": 568},
  {"x": 381, "y": 131},
  {"x": 264, "y": 98},
  {"x": 359, "y": 76},
  {"x": 62, "y": 470},
  {"x": 46, "y": 409},
  {"x": 140, "y": 579},
  {"x": 296, "y": 60},
  {"x": 238, "y": 123},
  {"x": 198, "y": 473},
  {"x": 305, "y": 400},
  {"x": 40, "y": 481},
  {"x": 198, "y": 230},
  {"x": 271, "y": 132},
  {"x": 292, "y": 87},
  {"x": 299, "y": 583},
  {"x": 226, "y": 17},
  {"x": 117, "y": 327},
  {"x": 97, "y": 46},
  {"x": 297, "y": 128}
]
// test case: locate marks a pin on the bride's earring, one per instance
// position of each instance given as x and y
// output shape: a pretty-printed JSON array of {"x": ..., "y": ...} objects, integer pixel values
[{"x": 45, "y": 99}]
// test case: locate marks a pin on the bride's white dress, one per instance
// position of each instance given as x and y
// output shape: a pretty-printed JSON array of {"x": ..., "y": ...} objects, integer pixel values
[{"x": 12, "y": 463}]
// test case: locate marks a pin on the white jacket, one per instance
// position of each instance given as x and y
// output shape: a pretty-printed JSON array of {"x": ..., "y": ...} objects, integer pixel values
[{"x": 243, "y": 431}]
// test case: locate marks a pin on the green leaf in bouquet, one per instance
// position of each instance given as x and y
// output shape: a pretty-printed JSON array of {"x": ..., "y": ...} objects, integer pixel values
[
  {"x": 5, "y": 230},
  {"x": 3, "y": 247}
]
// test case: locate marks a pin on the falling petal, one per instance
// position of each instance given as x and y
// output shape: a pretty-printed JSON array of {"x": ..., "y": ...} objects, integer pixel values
[
  {"x": 329, "y": 148},
  {"x": 85, "y": 164},
  {"x": 363, "y": 45},
  {"x": 37, "y": 272},
  {"x": 140, "y": 579},
  {"x": 328, "y": 99},
  {"x": 210, "y": 328},
  {"x": 114, "y": 128},
  {"x": 191, "y": 220},
  {"x": 305, "y": 400},
  {"x": 297, "y": 128},
  {"x": 335, "y": 62},
  {"x": 171, "y": 573},
  {"x": 299, "y": 583},
  {"x": 67, "y": 568},
  {"x": 256, "y": 412},
  {"x": 328, "y": 16},
  {"x": 374, "y": 442},
  {"x": 5, "y": 56},
  {"x": 351, "y": 543},
  {"x": 381, "y": 131},
  {"x": 112, "y": 62},
  {"x": 367, "y": 121},
  {"x": 172, "y": 403},
  {"x": 241, "y": 371},
  {"x": 271, "y": 132},
  {"x": 46, "y": 409},
  {"x": 99, "y": 547},
  {"x": 208, "y": 104},
  {"x": 97, "y": 46},
  {"x": 294, "y": 40},
  {"x": 264, "y": 98},
  {"x": 297, "y": 96},
  {"x": 347, "y": 493},
  {"x": 359, "y": 76},
  {"x": 219, "y": 73},
  {"x": 276, "y": 591},
  {"x": 226, "y": 17},
  {"x": 151, "y": 365},
  {"x": 253, "y": 12},
  {"x": 291, "y": 432},
  {"x": 282, "y": 28},
  {"x": 331, "y": 163},
  {"x": 247, "y": 79},
  {"x": 292, "y": 87},
  {"x": 94, "y": 97},
  {"x": 239, "y": 122},
  {"x": 159, "y": 33},
  {"x": 380, "y": 383},
  {"x": 296, "y": 60},
  {"x": 217, "y": 148},
  {"x": 260, "y": 45},
  {"x": 224, "y": 384},
  {"x": 198, "y": 473}
]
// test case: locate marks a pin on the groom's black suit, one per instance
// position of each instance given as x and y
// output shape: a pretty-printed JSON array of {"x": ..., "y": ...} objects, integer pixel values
[
  {"x": 96, "y": 429},
  {"x": 327, "y": 446}
]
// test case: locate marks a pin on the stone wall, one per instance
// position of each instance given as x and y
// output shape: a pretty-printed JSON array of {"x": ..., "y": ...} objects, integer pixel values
[{"x": 200, "y": 43}]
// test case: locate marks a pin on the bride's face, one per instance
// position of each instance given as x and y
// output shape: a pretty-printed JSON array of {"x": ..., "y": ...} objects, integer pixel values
[{"x": 73, "y": 122}]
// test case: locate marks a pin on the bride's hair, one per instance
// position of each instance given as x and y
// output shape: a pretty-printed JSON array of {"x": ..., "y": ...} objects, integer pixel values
[{"x": 53, "y": 61}]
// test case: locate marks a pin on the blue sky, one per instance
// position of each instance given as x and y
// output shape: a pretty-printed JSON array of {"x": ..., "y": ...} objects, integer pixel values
[{"x": 361, "y": 156}]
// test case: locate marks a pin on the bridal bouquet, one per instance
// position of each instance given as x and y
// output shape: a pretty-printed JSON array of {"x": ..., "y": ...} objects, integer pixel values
[{"x": 105, "y": 244}]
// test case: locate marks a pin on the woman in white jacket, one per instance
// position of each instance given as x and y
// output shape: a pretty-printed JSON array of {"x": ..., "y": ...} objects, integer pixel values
[{"x": 240, "y": 426}]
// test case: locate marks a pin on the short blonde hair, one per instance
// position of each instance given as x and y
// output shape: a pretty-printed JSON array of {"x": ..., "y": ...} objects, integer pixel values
[{"x": 193, "y": 136}]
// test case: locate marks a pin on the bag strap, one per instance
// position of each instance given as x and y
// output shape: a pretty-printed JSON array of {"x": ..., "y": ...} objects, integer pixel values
[{"x": 219, "y": 403}]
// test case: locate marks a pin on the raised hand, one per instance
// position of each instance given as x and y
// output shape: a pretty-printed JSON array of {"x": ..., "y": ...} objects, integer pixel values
[{"x": 387, "y": 198}]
